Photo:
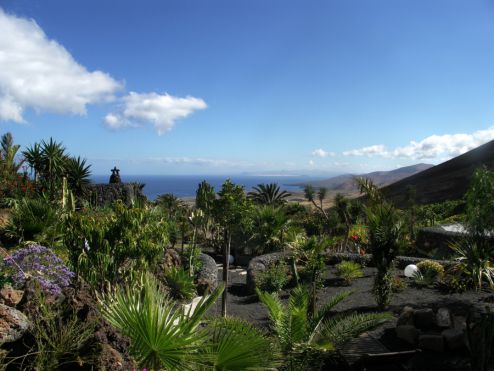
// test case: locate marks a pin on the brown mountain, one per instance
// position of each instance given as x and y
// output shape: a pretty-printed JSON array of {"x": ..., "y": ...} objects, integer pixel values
[
  {"x": 447, "y": 181},
  {"x": 346, "y": 183}
]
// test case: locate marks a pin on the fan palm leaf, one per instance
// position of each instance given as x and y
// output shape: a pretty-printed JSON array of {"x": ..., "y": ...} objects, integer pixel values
[{"x": 161, "y": 335}]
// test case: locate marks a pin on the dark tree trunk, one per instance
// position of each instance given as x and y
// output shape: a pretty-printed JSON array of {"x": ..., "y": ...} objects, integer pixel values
[{"x": 226, "y": 264}]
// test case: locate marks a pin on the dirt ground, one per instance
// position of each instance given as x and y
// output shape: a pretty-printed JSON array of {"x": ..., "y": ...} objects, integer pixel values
[{"x": 248, "y": 307}]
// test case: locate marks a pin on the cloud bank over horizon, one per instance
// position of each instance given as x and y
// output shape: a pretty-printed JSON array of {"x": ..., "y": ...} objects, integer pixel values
[{"x": 434, "y": 147}]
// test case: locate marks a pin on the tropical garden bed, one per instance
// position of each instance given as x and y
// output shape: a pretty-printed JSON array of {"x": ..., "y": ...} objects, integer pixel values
[{"x": 87, "y": 286}]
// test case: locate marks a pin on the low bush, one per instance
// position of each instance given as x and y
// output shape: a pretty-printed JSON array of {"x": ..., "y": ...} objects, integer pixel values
[
  {"x": 429, "y": 273},
  {"x": 180, "y": 284},
  {"x": 274, "y": 278},
  {"x": 349, "y": 271},
  {"x": 398, "y": 284}
]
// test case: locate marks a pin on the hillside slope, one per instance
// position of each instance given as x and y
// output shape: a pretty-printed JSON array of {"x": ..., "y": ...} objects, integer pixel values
[
  {"x": 346, "y": 184},
  {"x": 447, "y": 181}
]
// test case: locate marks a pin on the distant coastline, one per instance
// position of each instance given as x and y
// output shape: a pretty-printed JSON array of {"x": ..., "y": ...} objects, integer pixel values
[{"x": 185, "y": 186}]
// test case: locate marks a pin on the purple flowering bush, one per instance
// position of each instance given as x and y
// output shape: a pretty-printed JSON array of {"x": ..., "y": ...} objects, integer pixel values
[{"x": 40, "y": 264}]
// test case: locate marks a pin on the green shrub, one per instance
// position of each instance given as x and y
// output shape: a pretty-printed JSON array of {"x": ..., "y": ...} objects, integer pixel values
[
  {"x": 33, "y": 220},
  {"x": 180, "y": 284},
  {"x": 349, "y": 271},
  {"x": 430, "y": 272},
  {"x": 116, "y": 245},
  {"x": 398, "y": 284},
  {"x": 273, "y": 279}
]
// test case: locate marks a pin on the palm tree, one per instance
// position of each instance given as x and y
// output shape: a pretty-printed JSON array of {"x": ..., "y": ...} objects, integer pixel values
[
  {"x": 34, "y": 159},
  {"x": 78, "y": 174},
  {"x": 269, "y": 225},
  {"x": 342, "y": 207},
  {"x": 385, "y": 238},
  {"x": 300, "y": 333},
  {"x": 268, "y": 194},
  {"x": 310, "y": 195},
  {"x": 8, "y": 152},
  {"x": 321, "y": 195},
  {"x": 53, "y": 160}
]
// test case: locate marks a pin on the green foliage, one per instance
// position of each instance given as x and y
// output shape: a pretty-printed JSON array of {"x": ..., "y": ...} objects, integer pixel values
[
  {"x": 385, "y": 237},
  {"x": 397, "y": 284},
  {"x": 205, "y": 197},
  {"x": 267, "y": 228},
  {"x": 114, "y": 245},
  {"x": 430, "y": 272},
  {"x": 230, "y": 205},
  {"x": 308, "y": 253},
  {"x": 180, "y": 284},
  {"x": 33, "y": 220},
  {"x": 268, "y": 194},
  {"x": 161, "y": 335},
  {"x": 432, "y": 214},
  {"x": 274, "y": 278},
  {"x": 349, "y": 271},
  {"x": 50, "y": 164},
  {"x": 61, "y": 339},
  {"x": 383, "y": 288},
  {"x": 298, "y": 331},
  {"x": 480, "y": 203},
  {"x": 474, "y": 257},
  {"x": 237, "y": 345}
]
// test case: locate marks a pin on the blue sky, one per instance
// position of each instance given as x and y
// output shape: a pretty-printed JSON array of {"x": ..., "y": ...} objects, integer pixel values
[{"x": 222, "y": 87}]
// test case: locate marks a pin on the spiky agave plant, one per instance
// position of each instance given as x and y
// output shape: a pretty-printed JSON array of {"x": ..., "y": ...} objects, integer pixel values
[
  {"x": 301, "y": 334},
  {"x": 161, "y": 334}
]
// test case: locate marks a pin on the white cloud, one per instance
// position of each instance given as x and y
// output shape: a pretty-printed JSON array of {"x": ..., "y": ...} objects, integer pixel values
[
  {"x": 39, "y": 73},
  {"x": 160, "y": 110},
  {"x": 435, "y": 147},
  {"x": 377, "y": 149},
  {"x": 322, "y": 153},
  {"x": 448, "y": 145}
]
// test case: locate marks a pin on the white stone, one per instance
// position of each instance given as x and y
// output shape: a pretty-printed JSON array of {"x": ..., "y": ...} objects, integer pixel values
[{"x": 410, "y": 270}]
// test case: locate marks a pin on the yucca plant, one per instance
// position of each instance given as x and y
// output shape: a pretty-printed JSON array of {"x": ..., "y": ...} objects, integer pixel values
[
  {"x": 300, "y": 334},
  {"x": 161, "y": 334},
  {"x": 474, "y": 258}
]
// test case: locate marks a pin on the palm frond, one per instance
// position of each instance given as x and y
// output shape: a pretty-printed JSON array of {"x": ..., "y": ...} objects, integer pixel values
[
  {"x": 161, "y": 335},
  {"x": 341, "y": 328},
  {"x": 323, "y": 313},
  {"x": 273, "y": 304},
  {"x": 237, "y": 345}
]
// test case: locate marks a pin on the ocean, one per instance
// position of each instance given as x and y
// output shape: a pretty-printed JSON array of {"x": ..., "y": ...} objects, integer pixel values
[{"x": 186, "y": 185}]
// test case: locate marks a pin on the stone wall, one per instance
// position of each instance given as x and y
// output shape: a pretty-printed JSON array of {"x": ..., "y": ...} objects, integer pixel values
[
  {"x": 260, "y": 264},
  {"x": 106, "y": 193}
]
